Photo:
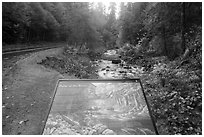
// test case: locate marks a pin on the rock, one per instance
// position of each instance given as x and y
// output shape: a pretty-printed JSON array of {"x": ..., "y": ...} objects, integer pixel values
[
  {"x": 116, "y": 61},
  {"x": 110, "y": 55},
  {"x": 130, "y": 75},
  {"x": 107, "y": 66},
  {"x": 122, "y": 71},
  {"x": 121, "y": 64},
  {"x": 103, "y": 69},
  {"x": 127, "y": 67},
  {"x": 7, "y": 117},
  {"x": 21, "y": 122}
]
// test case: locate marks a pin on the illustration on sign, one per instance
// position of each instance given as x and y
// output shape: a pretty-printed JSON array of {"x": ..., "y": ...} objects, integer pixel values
[{"x": 99, "y": 108}]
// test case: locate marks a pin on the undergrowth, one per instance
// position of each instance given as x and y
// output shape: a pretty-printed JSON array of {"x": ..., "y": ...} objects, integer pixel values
[
  {"x": 176, "y": 98},
  {"x": 174, "y": 88},
  {"x": 73, "y": 62}
]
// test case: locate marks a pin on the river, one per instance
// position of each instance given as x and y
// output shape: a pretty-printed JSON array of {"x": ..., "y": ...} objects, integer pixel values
[{"x": 101, "y": 107}]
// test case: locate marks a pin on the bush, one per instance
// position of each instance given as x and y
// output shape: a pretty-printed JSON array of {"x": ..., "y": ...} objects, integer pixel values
[
  {"x": 72, "y": 63},
  {"x": 130, "y": 52}
]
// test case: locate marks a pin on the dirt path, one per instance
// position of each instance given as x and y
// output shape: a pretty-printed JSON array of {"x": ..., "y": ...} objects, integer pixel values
[
  {"x": 28, "y": 88},
  {"x": 26, "y": 94}
]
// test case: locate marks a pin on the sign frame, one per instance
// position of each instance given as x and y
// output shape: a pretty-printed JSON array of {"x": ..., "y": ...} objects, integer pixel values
[{"x": 106, "y": 80}]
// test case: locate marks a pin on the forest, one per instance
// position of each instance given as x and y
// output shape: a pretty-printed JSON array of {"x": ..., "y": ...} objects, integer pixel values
[
  {"x": 163, "y": 38},
  {"x": 170, "y": 25},
  {"x": 74, "y": 23}
]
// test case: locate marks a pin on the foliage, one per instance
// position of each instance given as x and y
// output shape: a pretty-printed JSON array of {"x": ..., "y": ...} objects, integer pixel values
[
  {"x": 15, "y": 20},
  {"x": 170, "y": 22},
  {"x": 174, "y": 89},
  {"x": 72, "y": 63},
  {"x": 131, "y": 22},
  {"x": 173, "y": 86},
  {"x": 76, "y": 23},
  {"x": 175, "y": 99},
  {"x": 130, "y": 53}
]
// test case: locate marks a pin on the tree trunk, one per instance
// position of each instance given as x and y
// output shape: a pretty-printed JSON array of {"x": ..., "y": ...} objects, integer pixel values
[
  {"x": 28, "y": 36},
  {"x": 164, "y": 39},
  {"x": 43, "y": 36},
  {"x": 183, "y": 46}
]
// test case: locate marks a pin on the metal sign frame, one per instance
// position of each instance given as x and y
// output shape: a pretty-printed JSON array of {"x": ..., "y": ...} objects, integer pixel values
[{"x": 102, "y": 80}]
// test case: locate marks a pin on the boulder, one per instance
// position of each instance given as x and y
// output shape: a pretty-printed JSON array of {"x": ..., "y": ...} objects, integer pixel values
[
  {"x": 122, "y": 71},
  {"x": 103, "y": 69},
  {"x": 110, "y": 55},
  {"x": 127, "y": 67},
  {"x": 116, "y": 61}
]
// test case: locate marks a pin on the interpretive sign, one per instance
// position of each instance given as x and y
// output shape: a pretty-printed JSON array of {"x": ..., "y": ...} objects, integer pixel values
[{"x": 99, "y": 107}]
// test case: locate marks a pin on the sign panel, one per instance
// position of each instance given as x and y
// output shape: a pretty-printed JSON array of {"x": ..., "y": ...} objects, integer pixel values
[{"x": 99, "y": 107}]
